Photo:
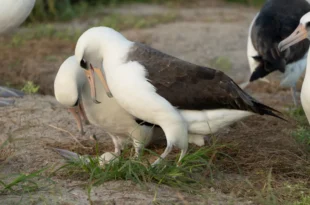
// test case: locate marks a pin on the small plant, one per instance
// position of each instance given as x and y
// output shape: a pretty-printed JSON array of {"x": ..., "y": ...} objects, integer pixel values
[
  {"x": 21, "y": 183},
  {"x": 30, "y": 88}
]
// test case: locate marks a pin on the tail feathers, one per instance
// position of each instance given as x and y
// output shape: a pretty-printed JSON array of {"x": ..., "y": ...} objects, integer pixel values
[
  {"x": 267, "y": 66},
  {"x": 266, "y": 110}
]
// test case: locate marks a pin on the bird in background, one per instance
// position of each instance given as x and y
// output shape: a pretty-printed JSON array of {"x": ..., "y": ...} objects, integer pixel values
[
  {"x": 12, "y": 14},
  {"x": 277, "y": 20}
]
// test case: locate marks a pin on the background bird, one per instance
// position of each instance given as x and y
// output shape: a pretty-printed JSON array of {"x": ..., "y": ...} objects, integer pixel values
[
  {"x": 275, "y": 21},
  {"x": 302, "y": 32},
  {"x": 12, "y": 14}
]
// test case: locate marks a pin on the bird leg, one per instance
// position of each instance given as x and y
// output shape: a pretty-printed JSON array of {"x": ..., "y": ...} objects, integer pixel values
[
  {"x": 294, "y": 94},
  {"x": 81, "y": 111},
  {"x": 77, "y": 118},
  {"x": 117, "y": 144},
  {"x": 164, "y": 155}
]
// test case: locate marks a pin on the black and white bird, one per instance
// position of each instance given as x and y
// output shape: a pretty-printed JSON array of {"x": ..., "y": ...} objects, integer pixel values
[
  {"x": 275, "y": 21},
  {"x": 155, "y": 87},
  {"x": 71, "y": 90},
  {"x": 302, "y": 32},
  {"x": 12, "y": 14}
]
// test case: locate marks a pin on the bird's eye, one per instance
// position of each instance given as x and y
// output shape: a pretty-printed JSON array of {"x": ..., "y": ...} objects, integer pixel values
[
  {"x": 83, "y": 64},
  {"x": 307, "y": 24}
]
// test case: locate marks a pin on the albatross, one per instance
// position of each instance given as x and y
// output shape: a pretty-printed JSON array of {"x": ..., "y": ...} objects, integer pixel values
[
  {"x": 12, "y": 14},
  {"x": 72, "y": 91},
  {"x": 275, "y": 21},
  {"x": 155, "y": 87},
  {"x": 301, "y": 32}
]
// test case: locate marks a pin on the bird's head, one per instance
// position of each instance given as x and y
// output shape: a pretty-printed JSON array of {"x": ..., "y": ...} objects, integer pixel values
[
  {"x": 68, "y": 82},
  {"x": 301, "y": 32},
  {"x": 89, "y": 51}
]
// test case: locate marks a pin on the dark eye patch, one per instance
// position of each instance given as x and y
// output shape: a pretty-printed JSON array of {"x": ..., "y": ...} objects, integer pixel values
[
  {"x": 83, "y": 64},
  {"x": 308, "y": 24}
]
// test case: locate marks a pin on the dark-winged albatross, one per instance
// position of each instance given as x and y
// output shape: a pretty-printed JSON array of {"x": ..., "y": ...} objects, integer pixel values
[
  {"x": 71, "y": 90},
  {"x": 12, "y": 14},
  {"x": 302, "y": 32},
  {"x": 276, "y": 20},
  {"x": 154, "y": 86}
]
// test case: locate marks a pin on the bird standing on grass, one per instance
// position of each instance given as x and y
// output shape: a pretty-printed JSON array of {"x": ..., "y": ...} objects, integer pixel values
[{"x": 155, "y": 87}]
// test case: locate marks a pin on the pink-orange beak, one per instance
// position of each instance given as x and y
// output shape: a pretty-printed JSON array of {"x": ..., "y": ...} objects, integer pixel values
[
  {"x": 91, "y": 80},
  {"x": 298, "y": 35},
  {"x": 103, "y": 80}
]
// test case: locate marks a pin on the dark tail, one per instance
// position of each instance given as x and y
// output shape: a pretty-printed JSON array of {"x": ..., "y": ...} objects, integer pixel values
[
  {"x": 267, "y": 66},
  {"x": 266, "y": 110}
]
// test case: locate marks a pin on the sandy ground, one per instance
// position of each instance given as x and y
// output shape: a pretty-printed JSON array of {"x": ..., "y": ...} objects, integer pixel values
[{"x": 37, "y": 123}]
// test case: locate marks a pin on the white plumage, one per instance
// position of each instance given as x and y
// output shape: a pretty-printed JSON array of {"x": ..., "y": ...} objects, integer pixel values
[
  {"x": 133, "y": 91},
  {"x": 70, "y": 85},
  {"x": 12, "y": 14}
]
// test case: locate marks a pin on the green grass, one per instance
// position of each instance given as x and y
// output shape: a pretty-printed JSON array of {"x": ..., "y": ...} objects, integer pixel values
[
  {"x": 30, "y": 88},
  {"x": 305, "y": 200},
  {"x": 195, "y": 172},
  {"x": 54, "y": 10},
  {"x": 21, "y": 183},
  {"x": 302, "y": 133},
  {"x": 118, "y": 22},
  {"x": 123, "y": 22}
]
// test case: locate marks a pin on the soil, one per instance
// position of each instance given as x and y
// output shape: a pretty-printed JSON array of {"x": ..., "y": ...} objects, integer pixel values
[{"x": 36, "y": 123}]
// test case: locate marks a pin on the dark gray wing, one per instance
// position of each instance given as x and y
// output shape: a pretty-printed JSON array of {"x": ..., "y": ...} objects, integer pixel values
[{"x": 192, "y": 87}]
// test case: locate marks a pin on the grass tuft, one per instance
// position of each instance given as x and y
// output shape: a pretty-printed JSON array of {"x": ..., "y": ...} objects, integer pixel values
[
  {"x": 195, "y": 172},
  {"x": 22, "y": 183},
  {"x": 302, "y": 133}
]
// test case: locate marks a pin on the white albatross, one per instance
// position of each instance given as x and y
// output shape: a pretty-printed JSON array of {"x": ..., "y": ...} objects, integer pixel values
[
  {"x": 72, "y": 90},
  {"x": 154, "y": 86},
  {"x": 12, "y": 14},
  {"x": 302, "y": 32}
]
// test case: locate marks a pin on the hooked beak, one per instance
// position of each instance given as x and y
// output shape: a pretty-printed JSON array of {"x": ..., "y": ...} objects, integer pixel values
[
  {"x": 91, "y": 80},
  {"x": 298, "y": 35},
  {"x": 103, "y": 80}
]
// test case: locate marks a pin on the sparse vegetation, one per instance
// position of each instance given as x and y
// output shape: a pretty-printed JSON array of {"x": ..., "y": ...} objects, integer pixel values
[
  {"x": 21, "y": 183},
  {"x": 195, "y": 172},
  {"x": 249, "y": 2},
  {"x": 302, "y": 133},
  {"x": 30, "y": 88}
]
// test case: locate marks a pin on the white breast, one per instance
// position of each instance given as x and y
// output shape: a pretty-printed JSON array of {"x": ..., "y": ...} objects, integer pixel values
[
  {"x": 108, "y": 114},
  {"x": 293, "y": 72}
]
